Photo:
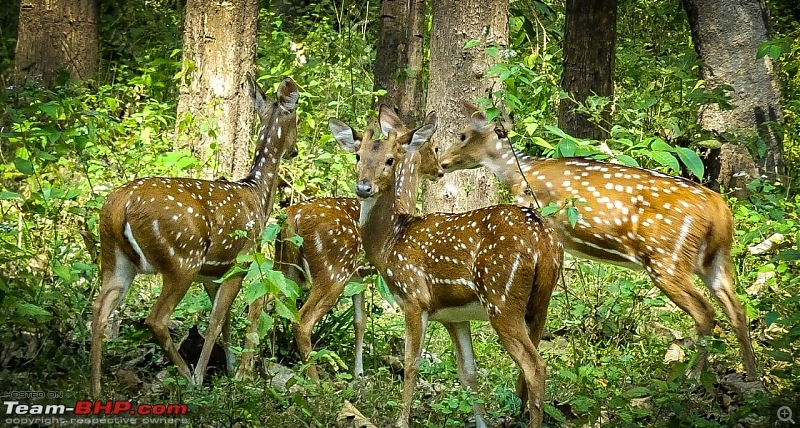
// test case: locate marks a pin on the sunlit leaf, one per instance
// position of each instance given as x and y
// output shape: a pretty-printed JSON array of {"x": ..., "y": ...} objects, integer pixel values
[{"x": 692, "y": 161}]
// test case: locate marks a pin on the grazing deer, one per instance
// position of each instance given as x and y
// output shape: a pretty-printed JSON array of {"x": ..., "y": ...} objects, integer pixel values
[
  {"x": 671, "y": 227},
  {"x": 498, "y": 263},
  {"x": 329, "y": 255},
  {"x": 183, "y": 229}
]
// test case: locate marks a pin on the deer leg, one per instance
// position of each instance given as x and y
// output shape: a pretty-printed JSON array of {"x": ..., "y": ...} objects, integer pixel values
[
  {"x": 211, "y": 288},
  {"x": 536, "y": 320},
  {"x": 220, "y": 312},
  {"x": 320, "y": 300},
  {"x": 719, "y": 279},
  {"x": 116, "y": 281},
  {"x": 172, "y": 291},
  {"x": 517, "y": 342},
  {"x": 680, "y": 289},
  {"x": 461, "y": 337},
  {"x": 359, "y": 325},
  {"x": 416, "y": 323}
]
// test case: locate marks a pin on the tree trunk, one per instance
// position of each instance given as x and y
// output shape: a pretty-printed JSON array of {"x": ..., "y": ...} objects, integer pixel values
[
  {"x": 458, "y": 75},
  {"x": 590, "y": 34},
  {"x": 398, "y": 58},
  {"x": 219, "y": 47},
  {"x": 57, "y": 35},
  {"x": 726, "y": 35}
]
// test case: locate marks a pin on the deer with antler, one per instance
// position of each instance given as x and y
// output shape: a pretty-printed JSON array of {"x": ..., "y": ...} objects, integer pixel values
[
  {"x": 184, "y": 228},
  {"x": 329, "y": 254},
  {"x": 671, "y": 227},
  {"x": 498, "y": 264}
]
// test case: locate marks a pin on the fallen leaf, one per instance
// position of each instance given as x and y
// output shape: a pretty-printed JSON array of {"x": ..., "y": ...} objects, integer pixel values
[
  {"x": 674, "y": 354},
  {"x": 349, "y": 416}
]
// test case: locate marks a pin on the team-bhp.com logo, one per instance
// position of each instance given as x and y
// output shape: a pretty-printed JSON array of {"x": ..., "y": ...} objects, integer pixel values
[{"x": 125, "y": 411}]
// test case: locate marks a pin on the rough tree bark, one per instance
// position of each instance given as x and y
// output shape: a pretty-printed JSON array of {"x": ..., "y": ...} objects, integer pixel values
[
  {"x": 590, "y": 34},
  {"x": 219, "y": 47},
  {"x": 458, "y": 75},
  {"x": 398, "y": 58},
  {"x": 726, "y": 35},
  {"x": 57, "y": 35}
]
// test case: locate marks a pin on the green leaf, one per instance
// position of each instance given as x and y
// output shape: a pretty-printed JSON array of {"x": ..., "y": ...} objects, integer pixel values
[
  {"x": 550, "y": 209},
  {"x": 572, "y": 216},
  {"x": 9, "y": 196},
  {"x": 31, "y": 310},
  {"x": 297, "y": 240},
  {"x": 286, "y": 309},
  {"x": 708, "y": 379},
  {"x": 353, "y": 288},
  {"x": 780, "y": 355},
  {"x": 771, "y": 317},
  {"x": 709, "y": 144},
  {"x": 692, "y": 161},
  {"x": 63, "y": 272},
  {"x": 50, "y": 109},
  {"x": 627, "y": 160},
  {"x": 24, "y": 166},
  {"x": 661, "y": 145},
  {"x": 557, "y": 131},
  {"x": 270, "y": 233},
  {"x": 665, "y": 159},
  {"x": 471, "y": 44},
  {"x": 265, "y": 324},
  {"x": 637, "y": 392},
  {"x": 383, "y": 290},
  {"x": 566, "y": 147},
  {"x": 254, "y": 291}
]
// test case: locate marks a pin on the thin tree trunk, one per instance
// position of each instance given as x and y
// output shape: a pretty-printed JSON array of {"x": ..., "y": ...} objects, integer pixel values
[
  {"x": 726, "y": 35},
  {"x": 458, "y": 75},
  {"x": 219, "y": 47},
  {"x": 590, "y": 34},
  {"x": 398, "y": 58},
  {"x": 57, "y": 35}
]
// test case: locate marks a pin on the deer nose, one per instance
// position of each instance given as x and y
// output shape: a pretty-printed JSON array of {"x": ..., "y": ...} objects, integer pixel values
[
  {"x": 440, "y": 173},
  {"x": 364, "y": 189}
]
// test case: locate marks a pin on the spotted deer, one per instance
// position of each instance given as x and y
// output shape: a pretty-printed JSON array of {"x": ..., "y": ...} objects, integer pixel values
[
  {"x": 329, "y": 255},
  {"x": 498, "y": 264},
  {"x": 671, "y": 227},
  {"x": 183, "y": 229}
]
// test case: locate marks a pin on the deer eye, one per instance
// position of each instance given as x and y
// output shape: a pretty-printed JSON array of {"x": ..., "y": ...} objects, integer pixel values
[
  {"x": 390, "y": 162},
  {"x": 463, "y": 137}
]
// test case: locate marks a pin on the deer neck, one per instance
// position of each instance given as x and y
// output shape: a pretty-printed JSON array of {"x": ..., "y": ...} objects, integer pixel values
[
  {"x": 407, "y": 179},
  {"x": 263, "y": 176},
  {"x": 378, "y": 220},
  {"x": 505, "y": 162},
  {"x": 384, "y": 217}
]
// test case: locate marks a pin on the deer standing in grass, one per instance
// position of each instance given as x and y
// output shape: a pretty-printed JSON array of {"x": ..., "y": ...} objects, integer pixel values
[
  {"x": 329, "y": 254},
  {"x": 184, "y": 229},
  {"x": 671, "y": 227},
  {"x": 498, "y": 264}
]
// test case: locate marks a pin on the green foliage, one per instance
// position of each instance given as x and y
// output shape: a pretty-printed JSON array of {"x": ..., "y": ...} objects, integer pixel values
[{"x": 63, "y": 149}]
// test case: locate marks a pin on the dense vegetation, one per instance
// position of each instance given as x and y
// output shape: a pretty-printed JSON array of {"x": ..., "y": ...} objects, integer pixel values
[{"x": 618, "y": 348}]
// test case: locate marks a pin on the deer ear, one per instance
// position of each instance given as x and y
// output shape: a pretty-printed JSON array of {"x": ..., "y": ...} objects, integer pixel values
[
  {"x": 432, "y": 118},
  {"x": 343, "y": 134},
  {"x": 260, "y": 100},
  {"x": 389, "y": 120},
  {"x": 288, "y": 94},
  {"x": 421, "y": 136}
]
